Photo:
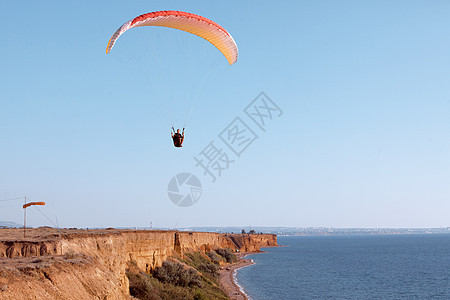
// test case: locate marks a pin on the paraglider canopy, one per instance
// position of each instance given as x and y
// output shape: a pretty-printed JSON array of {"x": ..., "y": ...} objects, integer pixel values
[{"x": 195, "y": 24}]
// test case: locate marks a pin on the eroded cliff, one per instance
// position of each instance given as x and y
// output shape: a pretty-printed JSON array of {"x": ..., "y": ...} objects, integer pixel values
[{"x": 95, "y": 260}]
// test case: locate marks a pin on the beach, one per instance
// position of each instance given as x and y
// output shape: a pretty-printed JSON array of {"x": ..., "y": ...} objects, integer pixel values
[{"x": 227, "y": 277}]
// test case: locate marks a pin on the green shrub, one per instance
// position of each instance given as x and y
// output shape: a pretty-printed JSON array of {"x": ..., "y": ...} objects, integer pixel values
[
  {"x": 216, "y": 258},
  {"x": 141, "y": 286},
  {"x": 175, "y": 273},
  {"x": 209, "y": 268},
  {"x": 227, "y": 254},
  {"x": 174, "y": 280},
  {"x": 197, "y": 259},
  {"x": 199, "y": 295}
]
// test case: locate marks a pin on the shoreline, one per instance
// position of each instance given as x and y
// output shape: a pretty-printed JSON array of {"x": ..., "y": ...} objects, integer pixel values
[
  {"x": 228, "y": 279},
  {"x": 236, "y": 282}
]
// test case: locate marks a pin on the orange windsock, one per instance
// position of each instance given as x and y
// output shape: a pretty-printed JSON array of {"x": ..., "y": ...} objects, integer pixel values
[{"x": 33, "y": 203}]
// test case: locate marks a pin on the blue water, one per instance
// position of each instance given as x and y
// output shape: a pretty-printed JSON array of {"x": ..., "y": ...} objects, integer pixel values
[{"x": 355, "y": 267}]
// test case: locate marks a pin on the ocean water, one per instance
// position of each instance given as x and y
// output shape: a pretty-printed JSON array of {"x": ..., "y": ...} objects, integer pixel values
[{"x": 353, "y": 267}]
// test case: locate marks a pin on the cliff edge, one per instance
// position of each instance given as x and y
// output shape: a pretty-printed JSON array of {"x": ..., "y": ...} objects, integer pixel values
[{"x": 91, "y": 264}]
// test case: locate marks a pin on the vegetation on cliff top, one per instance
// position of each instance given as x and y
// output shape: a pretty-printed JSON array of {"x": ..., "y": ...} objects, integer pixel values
[{"x": 196, "y": 276}]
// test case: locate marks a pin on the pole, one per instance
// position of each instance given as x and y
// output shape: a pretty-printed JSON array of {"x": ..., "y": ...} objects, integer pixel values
[
  {"x": 60, "y": 240},
  {"x": 24, "y": 218}
]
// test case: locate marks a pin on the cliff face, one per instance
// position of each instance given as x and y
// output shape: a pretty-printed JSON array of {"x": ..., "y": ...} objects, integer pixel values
[
  {"x": 109, "y": 252},
  {"x": 58, "y": 278},
  {"x": 253, "y": 242}
]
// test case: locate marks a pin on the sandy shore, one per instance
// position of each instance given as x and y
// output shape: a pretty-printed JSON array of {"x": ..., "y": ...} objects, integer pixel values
[{"x": 227, "y": 278}]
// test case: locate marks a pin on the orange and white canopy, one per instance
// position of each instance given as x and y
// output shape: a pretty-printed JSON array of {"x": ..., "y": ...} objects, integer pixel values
[{"x": 198, "y": 25}]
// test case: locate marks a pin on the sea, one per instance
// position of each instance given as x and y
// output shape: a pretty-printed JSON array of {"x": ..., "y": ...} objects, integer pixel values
[{"x": 350, "y": 267}]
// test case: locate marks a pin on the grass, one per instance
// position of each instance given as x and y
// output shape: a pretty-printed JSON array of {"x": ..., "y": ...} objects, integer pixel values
[
  {"x": 145, "y": 286},
  {"x": 194, "y": 277}
]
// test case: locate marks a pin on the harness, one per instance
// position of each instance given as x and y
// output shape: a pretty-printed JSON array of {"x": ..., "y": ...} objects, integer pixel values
[{"x": 177, "y": 140}]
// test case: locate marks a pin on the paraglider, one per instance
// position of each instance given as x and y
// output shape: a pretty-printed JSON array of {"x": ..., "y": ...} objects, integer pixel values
[
  {"x": 178, "y": 138},
  {"x": 188, "y": 22}
]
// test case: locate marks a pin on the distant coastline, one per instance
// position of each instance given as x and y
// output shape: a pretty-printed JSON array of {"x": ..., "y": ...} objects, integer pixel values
[
  {"x": 284, "y": 230},
  {"x": 310, "y": 231}
]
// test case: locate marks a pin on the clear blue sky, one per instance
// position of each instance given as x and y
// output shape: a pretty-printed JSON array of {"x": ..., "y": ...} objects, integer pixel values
[{"x": 363, "y": 140}]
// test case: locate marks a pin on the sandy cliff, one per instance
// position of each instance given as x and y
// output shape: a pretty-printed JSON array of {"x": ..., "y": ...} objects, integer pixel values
[{"x": 94, "y": 261}]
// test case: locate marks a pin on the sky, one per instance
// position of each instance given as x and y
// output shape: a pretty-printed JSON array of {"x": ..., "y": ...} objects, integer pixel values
[{"x": 361, "y": 137}]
